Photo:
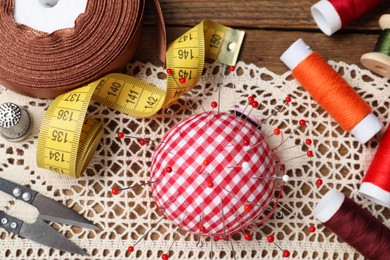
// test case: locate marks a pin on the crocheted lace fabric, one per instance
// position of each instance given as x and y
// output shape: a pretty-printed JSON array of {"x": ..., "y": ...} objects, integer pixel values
[{"x": 339, "y": 160}]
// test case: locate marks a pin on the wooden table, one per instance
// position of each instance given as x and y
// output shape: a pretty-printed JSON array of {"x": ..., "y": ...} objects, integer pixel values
[{"x": 270, "y": 26}]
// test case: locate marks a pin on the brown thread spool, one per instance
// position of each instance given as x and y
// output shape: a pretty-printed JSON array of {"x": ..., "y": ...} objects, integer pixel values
[{"x": 354, "y": 225}]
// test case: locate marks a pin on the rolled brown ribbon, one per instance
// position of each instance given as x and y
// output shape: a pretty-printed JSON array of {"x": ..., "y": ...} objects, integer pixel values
[{"x": 44, "y": 65}]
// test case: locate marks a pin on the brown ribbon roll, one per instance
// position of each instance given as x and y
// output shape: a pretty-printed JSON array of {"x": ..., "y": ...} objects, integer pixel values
[{"x": 45, "y": 65}]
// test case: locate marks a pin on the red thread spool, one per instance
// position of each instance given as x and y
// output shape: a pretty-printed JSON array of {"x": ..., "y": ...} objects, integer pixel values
[
  {"x": 333, "y": 15},
  {"x": 331, "y": 91},
  {"x": 354, "y": 225},
  {"x": 376, "y": 183}
]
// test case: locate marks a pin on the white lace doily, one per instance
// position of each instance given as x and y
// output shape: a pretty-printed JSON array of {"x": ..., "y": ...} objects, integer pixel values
[{"x": 338, "y": 159}]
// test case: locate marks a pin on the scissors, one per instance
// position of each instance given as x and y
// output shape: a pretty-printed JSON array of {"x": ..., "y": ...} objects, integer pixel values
[{"x": 49, "y": 210}]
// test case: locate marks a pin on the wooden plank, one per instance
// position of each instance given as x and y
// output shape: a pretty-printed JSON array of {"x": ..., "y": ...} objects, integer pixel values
[
  {"x": 281, "y": 14},
  {"x": 264, "y": 47}
]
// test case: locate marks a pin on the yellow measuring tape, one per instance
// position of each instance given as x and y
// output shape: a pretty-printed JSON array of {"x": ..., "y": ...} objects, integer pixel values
[{"x": 67, "y": 140}]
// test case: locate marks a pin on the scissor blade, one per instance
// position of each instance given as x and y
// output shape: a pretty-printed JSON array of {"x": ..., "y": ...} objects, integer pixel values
[
  {"x": 44, "y": 234},
  {"x": 51, "y": 210}
]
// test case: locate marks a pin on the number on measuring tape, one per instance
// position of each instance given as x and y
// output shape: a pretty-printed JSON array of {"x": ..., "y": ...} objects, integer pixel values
[
  {"x": 215, "y": 41},
  {"x": 67, "y": 140},
  {"x": 151, "y": 102},
  {"x": 185, "y": 54},
  {"x": 114, "y": 89},
  {"x": 65, "y": 115},
  {"x": 73, "y": 97},
  {"x": 54, "y": 156},
  {"x": 185, "y": 74},
  {"x": 185, "y": 37},
  {"x": 56, "y": 169},
  {"x": 132, "y": 96},
  {"x": 57, "y": 156},
  {"x": 60, "y": 136}
]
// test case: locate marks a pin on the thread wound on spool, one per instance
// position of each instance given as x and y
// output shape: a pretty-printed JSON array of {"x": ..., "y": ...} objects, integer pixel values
[
  {"x": 361, "y": 230},
  {"x": 333, "y": 15},
  {"x": 331, "y": 91},
  {"x": 379, "y": 60},
  {"x": 383, "y": 43},
  {"x": 378, "y": 174},
  {"x": 350, "y": 10}
]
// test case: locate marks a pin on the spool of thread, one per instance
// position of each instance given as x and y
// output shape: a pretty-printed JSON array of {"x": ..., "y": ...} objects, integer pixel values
[
  {"x": 354, "y": 225},
  {"x": 376, "y": 184},
  {"x": 378, "y": 61},
  {"x": 331, "y": 91},
  {"x": 49, "y": 47},
  {"x": 333, "y": 15}
]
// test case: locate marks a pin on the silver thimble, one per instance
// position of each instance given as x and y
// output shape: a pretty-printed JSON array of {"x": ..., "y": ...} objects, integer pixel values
[{"x": 15, "y": 122}]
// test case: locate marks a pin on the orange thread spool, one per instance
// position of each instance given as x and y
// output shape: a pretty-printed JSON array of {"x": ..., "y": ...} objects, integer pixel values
[{"x": 331, "y": 91}]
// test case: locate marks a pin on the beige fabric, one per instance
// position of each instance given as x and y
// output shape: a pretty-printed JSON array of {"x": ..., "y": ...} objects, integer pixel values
[{"x": 339, "y": 160}]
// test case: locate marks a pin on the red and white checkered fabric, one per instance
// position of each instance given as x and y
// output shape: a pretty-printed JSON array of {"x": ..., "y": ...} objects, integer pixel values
[{"x": 215, "y": 173}]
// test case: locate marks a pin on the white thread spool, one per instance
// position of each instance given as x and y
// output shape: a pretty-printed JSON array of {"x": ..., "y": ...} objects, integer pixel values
[
  {"x": 328, "y": 205},
  {"x": 48, "y": 15},
  {"x": 326, "y": 17},
  {"x": 375, "y": 194},
  {"x": 376, "y": 61}
]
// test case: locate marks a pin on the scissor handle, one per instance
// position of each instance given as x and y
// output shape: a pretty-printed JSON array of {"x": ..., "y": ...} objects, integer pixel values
[
  {"x": 9, "y": 223},
  {"x": 17, "y": 191}
]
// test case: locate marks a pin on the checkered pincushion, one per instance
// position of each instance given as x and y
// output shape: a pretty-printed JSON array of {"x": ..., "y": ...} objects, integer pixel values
[{"x": 213, "y": 174}]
